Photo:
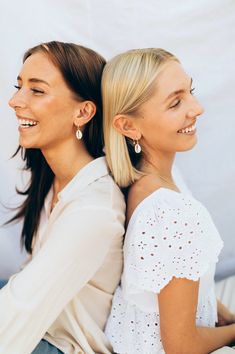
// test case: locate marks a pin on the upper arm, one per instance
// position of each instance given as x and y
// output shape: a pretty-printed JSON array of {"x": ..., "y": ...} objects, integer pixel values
[
  {"x": 171, "y": 245},
  {"x": 177, "y": 303},
  {"x": 75, "y": 249},
  {"x": 76, "y": 246}
]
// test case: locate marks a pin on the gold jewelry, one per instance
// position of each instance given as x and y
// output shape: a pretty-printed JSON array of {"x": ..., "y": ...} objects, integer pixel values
[
  {"x": 172, "y": 184},
  {"x": 163, "y": 178},
  {"x": 137, "y": 146}
]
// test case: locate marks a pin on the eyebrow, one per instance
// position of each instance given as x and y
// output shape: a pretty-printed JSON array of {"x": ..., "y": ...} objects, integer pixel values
[
  {"x": 34, "y": 79},
  {"x": 177, "y": 92}
]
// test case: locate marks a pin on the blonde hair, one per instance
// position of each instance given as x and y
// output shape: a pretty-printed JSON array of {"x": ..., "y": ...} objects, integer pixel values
[{"x": 128, "y": 81}]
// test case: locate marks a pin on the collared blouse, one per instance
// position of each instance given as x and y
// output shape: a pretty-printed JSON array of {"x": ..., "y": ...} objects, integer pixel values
[{"x": 64, "y": 292}]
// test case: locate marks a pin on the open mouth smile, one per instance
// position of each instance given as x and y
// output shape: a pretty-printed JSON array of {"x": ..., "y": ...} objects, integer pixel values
[
  {"x": 188, "y": 130},
  {"x": 25, "y": 123}
]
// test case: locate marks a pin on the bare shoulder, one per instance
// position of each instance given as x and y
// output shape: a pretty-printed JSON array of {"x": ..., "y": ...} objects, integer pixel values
[{"x": 140, "y": 190}]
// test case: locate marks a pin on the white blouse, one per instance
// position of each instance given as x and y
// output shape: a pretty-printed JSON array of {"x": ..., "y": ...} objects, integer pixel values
[
  {"x": 64, "y": 292},
  {"x": 169, "y": 235}
]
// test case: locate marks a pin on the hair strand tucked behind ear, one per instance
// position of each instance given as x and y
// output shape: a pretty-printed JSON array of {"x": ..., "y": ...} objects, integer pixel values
[{"x": 128, "y": 81}]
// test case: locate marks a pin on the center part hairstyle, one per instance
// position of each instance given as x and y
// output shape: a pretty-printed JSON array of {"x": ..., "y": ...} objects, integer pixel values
[
  {"x": 81, "y": 69},
  {"x": 128, "y": 81}
]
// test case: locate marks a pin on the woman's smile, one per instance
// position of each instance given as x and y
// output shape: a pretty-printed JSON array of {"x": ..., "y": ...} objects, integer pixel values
[
  {"x": 190, "y": 130},
  {"x": 44, "y": 106},
  {"x": 26, "y": 123}
]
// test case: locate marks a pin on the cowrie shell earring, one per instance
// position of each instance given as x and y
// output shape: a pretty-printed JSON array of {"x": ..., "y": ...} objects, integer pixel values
[
  {"x": 137, "y": 146},
  {"x": 78, "y": 134}
]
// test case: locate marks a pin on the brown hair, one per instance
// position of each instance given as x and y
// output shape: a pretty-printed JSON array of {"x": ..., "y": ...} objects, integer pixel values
[{"x": 81, "y": 69}]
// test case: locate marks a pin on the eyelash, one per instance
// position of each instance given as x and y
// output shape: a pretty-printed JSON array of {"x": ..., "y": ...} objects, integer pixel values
[
  {"x": 37, "y": 91},
  {"x": 179, "y": 101},
  {"x": 176, "y": 104},
  {"x": 33, "y": 90},
  {"x": 192, "y": 90}
]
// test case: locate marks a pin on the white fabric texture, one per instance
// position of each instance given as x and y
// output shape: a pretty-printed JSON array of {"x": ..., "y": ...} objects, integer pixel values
[
  {"x": 224, "y": 350},
  {"x": 170, "y": 234},
  {"x": 64, "y": 292},
  {"x": 225, "y": 292}
]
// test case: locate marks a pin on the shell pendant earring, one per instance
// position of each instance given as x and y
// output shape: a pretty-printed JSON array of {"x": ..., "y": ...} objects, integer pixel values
[
  {"x": 78, "y": 134},
  {"x": 137, "y": 146}
]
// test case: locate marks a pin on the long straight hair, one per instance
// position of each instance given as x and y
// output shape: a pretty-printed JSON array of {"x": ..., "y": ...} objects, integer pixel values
[
  {"x": 81, "y": 69},
  {"x": 128, "y": 81}
]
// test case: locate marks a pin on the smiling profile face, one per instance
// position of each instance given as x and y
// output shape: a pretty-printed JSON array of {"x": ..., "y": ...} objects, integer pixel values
[
  {"x": 167, "y": 121},
  {"x": 44, "y": 105},
  {"x": 147, "y": 97}
]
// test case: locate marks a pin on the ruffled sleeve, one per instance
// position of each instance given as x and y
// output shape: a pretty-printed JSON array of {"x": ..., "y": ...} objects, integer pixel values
[{"x": 171, "y": 235}]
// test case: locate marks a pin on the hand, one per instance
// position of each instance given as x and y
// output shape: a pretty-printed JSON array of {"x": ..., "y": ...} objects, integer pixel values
[{"x": 225, "y": 316}]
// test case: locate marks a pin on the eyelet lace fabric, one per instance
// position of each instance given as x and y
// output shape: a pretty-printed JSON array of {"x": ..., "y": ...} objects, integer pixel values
[{"x": 169, "y": 235}]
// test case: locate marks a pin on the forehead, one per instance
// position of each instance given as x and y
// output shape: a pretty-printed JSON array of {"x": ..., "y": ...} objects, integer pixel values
[
  {"x": 172, "y": 78},
  {"x": 38, "y": 65}
]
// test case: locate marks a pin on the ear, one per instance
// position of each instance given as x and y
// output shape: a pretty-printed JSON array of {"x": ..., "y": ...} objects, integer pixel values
[
  {"x": 126, "y": 126},
  {"x": 84, "y": 113}
]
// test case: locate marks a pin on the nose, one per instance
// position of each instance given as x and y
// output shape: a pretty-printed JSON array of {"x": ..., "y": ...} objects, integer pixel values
[
  {"x": 195, "y": 108},
  {"x": 17, "y": 100}
]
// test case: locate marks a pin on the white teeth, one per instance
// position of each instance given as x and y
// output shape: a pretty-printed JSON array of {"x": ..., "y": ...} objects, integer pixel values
[
  {"x": 26, "y": 123},
  {"x": 187, "y": 130}
]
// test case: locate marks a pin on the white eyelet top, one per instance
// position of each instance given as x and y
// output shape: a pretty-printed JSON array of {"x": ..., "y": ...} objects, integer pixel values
[{"x": 169, "y": 235}]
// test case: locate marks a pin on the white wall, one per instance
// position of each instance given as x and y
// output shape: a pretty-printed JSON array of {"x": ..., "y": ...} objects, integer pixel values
[{"x": 200, "y": 33}]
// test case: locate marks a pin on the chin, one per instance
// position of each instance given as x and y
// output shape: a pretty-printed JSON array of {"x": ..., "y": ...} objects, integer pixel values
[
  {"x": 27, "y": 144},
  {"x": 189, "y": 146}
]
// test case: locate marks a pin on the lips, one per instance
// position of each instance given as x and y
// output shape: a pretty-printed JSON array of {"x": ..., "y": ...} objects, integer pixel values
[
  {"x": 26, "y": 123},
  {"x": 188, "y": 129}
]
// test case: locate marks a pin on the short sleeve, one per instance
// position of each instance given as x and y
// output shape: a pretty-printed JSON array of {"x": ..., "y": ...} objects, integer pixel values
[{"x": 171, "y": 236}]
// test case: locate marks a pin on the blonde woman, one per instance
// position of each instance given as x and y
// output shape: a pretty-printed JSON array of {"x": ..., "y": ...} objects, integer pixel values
[{"x": 166, "y": 301}]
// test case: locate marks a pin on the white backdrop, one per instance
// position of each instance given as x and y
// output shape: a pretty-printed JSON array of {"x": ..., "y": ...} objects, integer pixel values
[{"x": 201, "y": 33}]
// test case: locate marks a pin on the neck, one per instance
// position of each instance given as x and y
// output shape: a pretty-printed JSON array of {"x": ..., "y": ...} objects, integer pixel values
[
  {"x": 160, "y": 163},
  {"x": 66, "y": 160}
]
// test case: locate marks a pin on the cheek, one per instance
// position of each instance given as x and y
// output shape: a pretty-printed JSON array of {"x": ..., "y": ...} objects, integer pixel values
[
  {"x": 162, "y": 129},
  {"x": 163, "y": 135},
  {"x": 50, "y": 109},
  {"x": 59, "y": 106},
  {"x": 42, "y": 105}
]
